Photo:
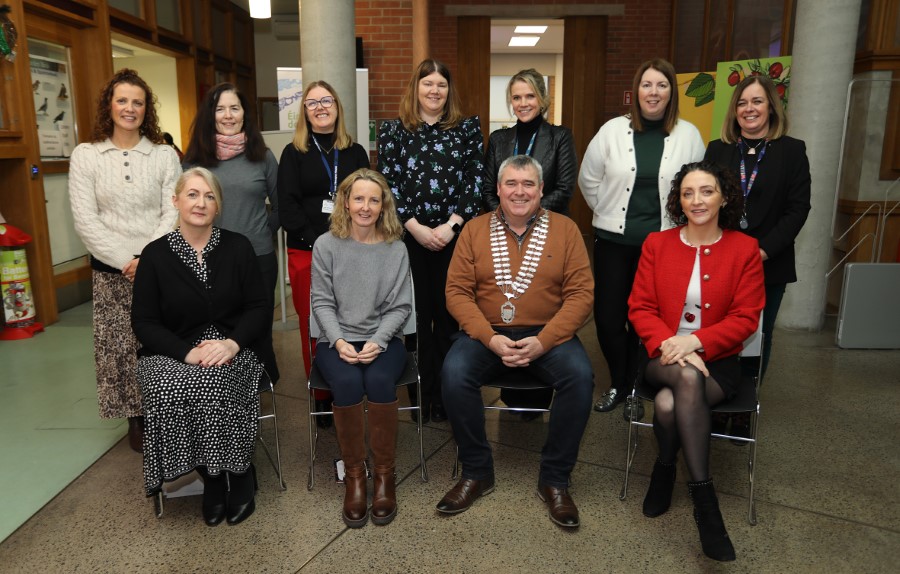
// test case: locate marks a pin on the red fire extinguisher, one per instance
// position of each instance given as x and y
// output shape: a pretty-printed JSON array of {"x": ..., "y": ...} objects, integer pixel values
[{"x": 15, "y": 286}]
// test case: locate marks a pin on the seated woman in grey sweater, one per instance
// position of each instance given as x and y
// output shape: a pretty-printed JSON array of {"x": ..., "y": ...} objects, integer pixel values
[{"x": 361, "y": 297}]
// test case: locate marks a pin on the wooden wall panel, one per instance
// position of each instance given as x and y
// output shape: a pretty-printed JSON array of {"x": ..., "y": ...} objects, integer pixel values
[
  {"x": 584, "y": 73},
  {"x": 473, "y": 75}
]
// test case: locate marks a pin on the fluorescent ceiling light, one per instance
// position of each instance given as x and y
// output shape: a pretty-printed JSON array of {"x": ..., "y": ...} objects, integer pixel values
[
  {"x": 261, "y": 9},
  {"x": 524, "y": 41},
  {"x": 530, "y": 29}
]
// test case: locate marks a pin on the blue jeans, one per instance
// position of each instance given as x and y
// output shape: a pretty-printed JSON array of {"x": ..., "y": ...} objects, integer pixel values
[
  {"x": 349, "y": 383},
  {"x": 565, "y": 367}
]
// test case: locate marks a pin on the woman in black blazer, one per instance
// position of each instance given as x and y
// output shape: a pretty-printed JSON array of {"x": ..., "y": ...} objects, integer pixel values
[
  {"x": 774, "y": 173},
  {"x": 551, "y": 145},
  {"x": 554, "y": 148},
  {"x": 201, "y": 315}
]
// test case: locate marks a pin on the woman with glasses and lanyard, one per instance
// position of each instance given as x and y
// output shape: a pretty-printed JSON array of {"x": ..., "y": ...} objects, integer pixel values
[
  {"x": 311, "y": 168},
  {"x": 553, "y": 146}
]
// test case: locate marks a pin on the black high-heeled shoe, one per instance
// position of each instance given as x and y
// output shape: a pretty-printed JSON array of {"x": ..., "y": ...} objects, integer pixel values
[
  {"x": 241, "y": 500},
  {"x": 215, "y": 489}
]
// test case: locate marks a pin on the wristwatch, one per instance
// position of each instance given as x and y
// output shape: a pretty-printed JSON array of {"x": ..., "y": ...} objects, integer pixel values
[{"x": 456, "y": 227}]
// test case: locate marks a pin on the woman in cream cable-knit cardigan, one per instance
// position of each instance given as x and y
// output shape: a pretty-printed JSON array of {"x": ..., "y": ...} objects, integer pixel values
[{"x": 121, "y": 186}]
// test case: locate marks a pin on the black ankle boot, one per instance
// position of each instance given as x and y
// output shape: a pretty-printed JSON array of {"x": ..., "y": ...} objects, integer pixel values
[
  {"x": 713, "y": 535},
  {"x": 241, "y": 501},
  {"x": 659, "y": 495},
  {"x": 215, "y": 489}
]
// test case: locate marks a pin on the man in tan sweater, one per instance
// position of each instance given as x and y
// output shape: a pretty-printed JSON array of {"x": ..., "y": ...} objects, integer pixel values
[{"x": 520, "y": 286}]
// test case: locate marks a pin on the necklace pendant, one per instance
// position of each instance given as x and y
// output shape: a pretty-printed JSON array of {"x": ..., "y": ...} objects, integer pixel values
[
  {"x": 507, "y": 312},
  {"x": 751, "y": 151},
  {"x": 744, "y": 223}
]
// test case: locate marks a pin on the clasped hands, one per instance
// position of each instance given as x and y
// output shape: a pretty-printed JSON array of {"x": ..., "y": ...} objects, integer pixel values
[
  {"x": 349, "y": 354},
  {"x": 213, "y": 353},
  {"x": 516, "y": 353},
  {"x": 433, "y": 239},
  {"x": 682, "y": 349}
]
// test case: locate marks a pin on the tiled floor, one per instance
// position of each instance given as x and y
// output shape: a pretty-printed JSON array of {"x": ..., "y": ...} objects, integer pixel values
[{"x": 828, "y": 495}]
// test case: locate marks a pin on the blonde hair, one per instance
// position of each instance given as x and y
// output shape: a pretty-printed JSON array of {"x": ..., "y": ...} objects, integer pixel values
[
  {"x": 409, "y": 104},
  {"x": 778, "y": 122},
  {"x": 388, "y": 224},
  {"x": 209, "y": 178},
  {"x": 535, "y": 81},
  {"x": 302, "y": 132},
  {"x": 668, "y": 70}
]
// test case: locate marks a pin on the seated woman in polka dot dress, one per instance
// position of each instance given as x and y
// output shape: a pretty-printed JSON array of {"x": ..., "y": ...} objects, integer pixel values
[{"x": 200, "y": 315}]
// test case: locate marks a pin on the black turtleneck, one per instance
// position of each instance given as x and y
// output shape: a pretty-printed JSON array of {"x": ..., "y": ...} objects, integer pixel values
[{"x": 524, "y": 131}]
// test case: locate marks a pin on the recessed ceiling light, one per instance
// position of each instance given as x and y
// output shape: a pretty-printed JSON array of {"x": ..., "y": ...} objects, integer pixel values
[
  {"x": 530, "y": 29},
  {"x": 524, "y": 41}
]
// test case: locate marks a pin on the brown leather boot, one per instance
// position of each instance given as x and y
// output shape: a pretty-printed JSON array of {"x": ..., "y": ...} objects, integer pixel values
[
  {"x": 136, "y": 433},
  {"x": 383, "y": 441},
  {"x": 349, "y": 422}
]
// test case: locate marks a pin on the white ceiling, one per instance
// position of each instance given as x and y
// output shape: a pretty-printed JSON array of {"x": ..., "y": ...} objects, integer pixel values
[{"x": 551, "y": 41}]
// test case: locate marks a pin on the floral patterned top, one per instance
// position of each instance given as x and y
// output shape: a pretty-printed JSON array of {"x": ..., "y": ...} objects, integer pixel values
[{"x": 433, "y": 173}]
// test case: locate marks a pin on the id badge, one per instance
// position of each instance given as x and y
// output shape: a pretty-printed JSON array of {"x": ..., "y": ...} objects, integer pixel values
[{"x": 327, "y": 206}]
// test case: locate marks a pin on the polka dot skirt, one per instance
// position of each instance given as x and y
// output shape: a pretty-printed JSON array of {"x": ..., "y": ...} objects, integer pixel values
[{"x": 198, "y": 416}]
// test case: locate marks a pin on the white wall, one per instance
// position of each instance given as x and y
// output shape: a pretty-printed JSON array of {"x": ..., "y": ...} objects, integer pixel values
[
  {"x": 509, "y": 64},
  {"x": 160, "y": 74},
  {"x": 272, "y": 53}
]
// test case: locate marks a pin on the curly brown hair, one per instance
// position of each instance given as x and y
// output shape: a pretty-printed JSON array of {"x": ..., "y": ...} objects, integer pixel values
[
  {"x": 104, "y": 126},
  {"x": 731, "y": 210}
]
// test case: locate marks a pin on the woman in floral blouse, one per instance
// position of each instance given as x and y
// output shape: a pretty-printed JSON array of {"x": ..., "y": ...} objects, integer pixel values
[{"x": 431, "y": 156}]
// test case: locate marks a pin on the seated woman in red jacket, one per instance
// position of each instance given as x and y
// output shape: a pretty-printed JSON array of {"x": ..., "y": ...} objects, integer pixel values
[{"x": 697, "y": 296}]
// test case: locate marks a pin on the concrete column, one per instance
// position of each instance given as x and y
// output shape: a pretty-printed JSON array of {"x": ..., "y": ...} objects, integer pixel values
[
  {"x": 328, "y": 49},
  {"x": 421, "y": 48},
  {"x": 824, "y": 49}
]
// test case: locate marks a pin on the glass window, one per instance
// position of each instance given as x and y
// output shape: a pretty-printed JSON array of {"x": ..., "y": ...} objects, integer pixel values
[
  {"x": 689, "y": 35},
  {"x": 168, "y": 15},
  {"x": 241, "y": 37},
  {"x": 757, "y": 29},
  {"x": 219, "y": 36},
  {"x": 718, "y": 35},
  {"x": 133, "y": 7}
]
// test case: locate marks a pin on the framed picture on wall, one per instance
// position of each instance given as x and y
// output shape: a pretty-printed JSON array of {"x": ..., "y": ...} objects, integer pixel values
[{"x": 51, "y": 83}]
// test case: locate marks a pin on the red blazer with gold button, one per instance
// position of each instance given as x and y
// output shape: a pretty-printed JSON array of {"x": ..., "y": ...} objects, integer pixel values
[{"x": 732, "y": 291}]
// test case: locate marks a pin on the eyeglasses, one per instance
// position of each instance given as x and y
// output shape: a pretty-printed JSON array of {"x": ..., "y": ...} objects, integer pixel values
[{"x": 325, "y": 102}]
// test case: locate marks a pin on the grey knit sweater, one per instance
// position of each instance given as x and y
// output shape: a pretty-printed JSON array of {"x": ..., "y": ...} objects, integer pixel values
[{"x": 360, "y": 292}]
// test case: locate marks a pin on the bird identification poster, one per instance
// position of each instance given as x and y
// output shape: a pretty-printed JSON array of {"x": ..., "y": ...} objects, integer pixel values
[{"x": 50, "y": 83}]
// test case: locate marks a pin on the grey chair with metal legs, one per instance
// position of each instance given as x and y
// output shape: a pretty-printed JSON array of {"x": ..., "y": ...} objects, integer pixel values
[
  {"x": 410, "y": 376},
  {"x": 746, "y": 401},
  {"x": 265, "y": 386}
]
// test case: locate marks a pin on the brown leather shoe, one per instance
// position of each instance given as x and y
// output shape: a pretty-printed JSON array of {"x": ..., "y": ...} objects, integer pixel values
[
  {"x": 461, "y": 496},
  {"x": 383, "y": 424},
  {"x": 561, "y": 506}
]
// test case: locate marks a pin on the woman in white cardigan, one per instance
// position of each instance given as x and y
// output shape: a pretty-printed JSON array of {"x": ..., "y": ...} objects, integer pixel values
[
  {"x": 121, "y": 186},
  {"x": 625, "y": 178}
]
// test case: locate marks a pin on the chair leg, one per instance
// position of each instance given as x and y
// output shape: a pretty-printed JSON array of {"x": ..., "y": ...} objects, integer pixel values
[
  {"x": 158, "y": 503},
  {"x": 277, "y": 443},
  {"x": 419, "y": 427},
  {"x": 313, "y": 442},
  {"x": 751, "y": 467},
  {"x": 630, "y": 451}
]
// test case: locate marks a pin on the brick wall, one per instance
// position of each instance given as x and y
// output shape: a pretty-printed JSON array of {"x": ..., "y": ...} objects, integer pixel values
[{"x": 642, "y": 33}]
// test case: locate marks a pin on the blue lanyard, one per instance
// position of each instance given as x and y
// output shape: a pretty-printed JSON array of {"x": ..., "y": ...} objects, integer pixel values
[
  {"x": 746, "y": 186},
  {"x": 530, "y": 145},
  {"x": 332, "y": 178}
]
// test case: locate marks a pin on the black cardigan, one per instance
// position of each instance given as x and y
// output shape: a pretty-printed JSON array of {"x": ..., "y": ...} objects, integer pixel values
[
  {"x": 778, "y": 203},
  {"x": 554, "y": 149},
  {"x": 172, "y": 308},
  {"x": 303, "y": 185}
]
